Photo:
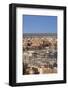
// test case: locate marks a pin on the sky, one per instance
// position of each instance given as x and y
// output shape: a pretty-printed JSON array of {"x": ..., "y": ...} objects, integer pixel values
[{"x": 39, "y": 24}]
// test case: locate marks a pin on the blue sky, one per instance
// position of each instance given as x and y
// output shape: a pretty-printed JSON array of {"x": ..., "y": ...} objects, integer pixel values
[{"x": 40, "y": 24}]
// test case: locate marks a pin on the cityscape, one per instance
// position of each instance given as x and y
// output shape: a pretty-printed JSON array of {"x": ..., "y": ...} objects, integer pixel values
[
  {"x": 40, "y": 53},
  {"x": 39, "y": 45}
]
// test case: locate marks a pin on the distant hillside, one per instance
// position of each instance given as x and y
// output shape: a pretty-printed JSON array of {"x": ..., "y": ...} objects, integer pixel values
[{"x": 39, "y": 34}]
